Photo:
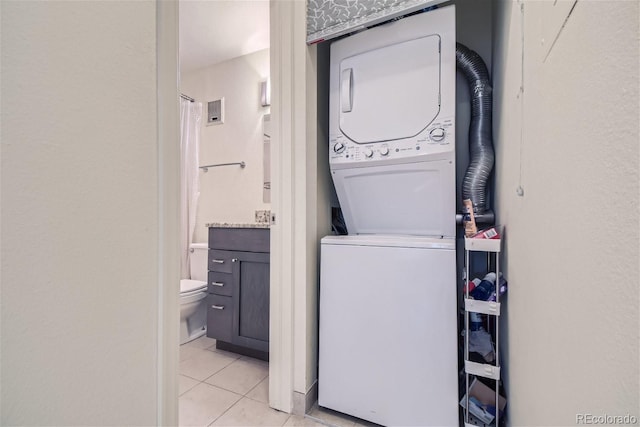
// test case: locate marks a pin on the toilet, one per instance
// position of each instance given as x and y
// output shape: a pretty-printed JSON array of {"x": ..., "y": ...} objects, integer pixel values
[{"x": 193, "y": 294}]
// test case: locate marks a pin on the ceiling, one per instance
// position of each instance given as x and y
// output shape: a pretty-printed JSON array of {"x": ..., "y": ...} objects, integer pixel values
[{"x": 213, "y": 31}]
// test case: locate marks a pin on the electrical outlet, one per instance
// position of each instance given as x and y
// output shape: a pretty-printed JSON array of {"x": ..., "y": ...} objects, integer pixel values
[{"x": 263, "y": 216}]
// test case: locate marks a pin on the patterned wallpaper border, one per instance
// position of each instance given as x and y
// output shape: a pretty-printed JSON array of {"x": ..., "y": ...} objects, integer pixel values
[{"x": 327, "y": 19}]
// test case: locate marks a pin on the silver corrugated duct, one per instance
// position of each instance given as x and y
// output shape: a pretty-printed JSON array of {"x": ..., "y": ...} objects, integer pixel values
[{"x": 474, "y": 185}]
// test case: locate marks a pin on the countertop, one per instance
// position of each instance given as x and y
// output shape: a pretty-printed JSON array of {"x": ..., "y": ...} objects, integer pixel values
[{"x": 236, "y": 225}]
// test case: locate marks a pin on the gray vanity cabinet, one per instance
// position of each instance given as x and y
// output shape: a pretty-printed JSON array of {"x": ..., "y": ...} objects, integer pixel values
[{"x": 238, "y": 286}]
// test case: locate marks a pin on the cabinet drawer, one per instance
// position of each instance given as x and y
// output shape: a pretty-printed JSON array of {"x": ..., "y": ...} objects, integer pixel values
[
  {"x": 240, "y": 239},
  {"x": 220, "y": 317},
  {"x": 221, "y": 261},
  {"x": 220, "y": 283}
]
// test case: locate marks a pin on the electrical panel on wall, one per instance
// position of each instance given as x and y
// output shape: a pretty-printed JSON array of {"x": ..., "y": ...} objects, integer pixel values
[{"x": 215, "y": 112}]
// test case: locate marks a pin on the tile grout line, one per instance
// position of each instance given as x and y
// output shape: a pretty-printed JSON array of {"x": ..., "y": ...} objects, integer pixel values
[
  {"x": 227, "y": 410},
  {"x": 220, "y": 388},
  {"x": 195, "y": 379},
  {"x": 254, "y": 387},
  {"x": 225, "y": 367},
  {"x": 190, "y": 388},
  {"x": 239, "y": 400},
  {"x": 240, "y": 396},
  {"x": 232, "y": 391}
]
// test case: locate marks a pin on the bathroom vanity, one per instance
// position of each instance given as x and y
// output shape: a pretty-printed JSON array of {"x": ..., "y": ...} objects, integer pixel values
[{"x": 238, "y": 288}]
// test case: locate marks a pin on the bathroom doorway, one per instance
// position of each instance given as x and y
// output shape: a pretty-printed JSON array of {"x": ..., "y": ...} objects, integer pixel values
[{"x": 224, "y": 65}]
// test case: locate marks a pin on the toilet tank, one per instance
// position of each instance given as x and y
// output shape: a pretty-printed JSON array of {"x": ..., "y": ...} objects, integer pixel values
[{"x": 198, "y": 261}]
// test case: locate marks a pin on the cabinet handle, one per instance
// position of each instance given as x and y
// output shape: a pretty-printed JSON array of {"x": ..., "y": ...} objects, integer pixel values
[
  {"x": 234, "y": 260},
  {"x": 218, "y": 307},
  {"x": 218, "y": 261},
  {"x": 217, "y": 284}
]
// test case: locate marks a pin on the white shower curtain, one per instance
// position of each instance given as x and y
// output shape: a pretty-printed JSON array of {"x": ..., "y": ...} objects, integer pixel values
[{"x": 190, "y": 122}]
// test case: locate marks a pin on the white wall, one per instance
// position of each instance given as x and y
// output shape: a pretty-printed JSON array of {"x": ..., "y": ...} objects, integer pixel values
[
  {"x": 229, "y": 193},
  {"x": 80, "y": 215},
  {"x": 572, "y": 261}
]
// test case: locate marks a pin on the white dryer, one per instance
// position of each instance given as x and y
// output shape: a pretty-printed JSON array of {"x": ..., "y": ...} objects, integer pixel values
[{"x": 392, "y": 126}]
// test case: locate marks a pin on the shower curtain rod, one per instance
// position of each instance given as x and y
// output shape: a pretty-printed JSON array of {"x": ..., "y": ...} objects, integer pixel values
[{"x": 188, "y": 98}]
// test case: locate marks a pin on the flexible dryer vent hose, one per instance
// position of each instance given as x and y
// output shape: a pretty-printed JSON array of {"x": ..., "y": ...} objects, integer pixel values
[{"x": 474, "y": 185}]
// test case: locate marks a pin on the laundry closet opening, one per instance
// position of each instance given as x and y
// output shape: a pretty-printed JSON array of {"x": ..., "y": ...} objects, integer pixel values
[{"x": 398, "y": 138}]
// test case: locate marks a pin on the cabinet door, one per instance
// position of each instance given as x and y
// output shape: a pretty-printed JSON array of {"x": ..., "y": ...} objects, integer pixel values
[{"x": 251, "y": 295}]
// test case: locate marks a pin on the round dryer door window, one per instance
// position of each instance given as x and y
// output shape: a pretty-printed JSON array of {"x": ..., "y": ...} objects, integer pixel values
[{"x": 392, "y": 92}]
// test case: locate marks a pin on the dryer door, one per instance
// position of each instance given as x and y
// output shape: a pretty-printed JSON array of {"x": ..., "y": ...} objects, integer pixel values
[{"x": 391, "y": 92}]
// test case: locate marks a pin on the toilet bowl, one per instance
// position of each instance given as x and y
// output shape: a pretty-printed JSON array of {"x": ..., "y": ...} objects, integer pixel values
[
  {"x": 193, "y": 294},
  {"x": 193, "y": 309}
]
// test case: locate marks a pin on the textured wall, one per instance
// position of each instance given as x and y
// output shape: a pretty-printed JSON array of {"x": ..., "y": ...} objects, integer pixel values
[
  {"x": 571, "y": 142},
  {"x": 79, "y": 213},
  {"x": 229, "y": 193}
]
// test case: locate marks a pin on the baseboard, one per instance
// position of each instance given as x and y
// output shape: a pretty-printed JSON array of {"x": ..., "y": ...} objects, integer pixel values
[{"x": 302, "y": 403}]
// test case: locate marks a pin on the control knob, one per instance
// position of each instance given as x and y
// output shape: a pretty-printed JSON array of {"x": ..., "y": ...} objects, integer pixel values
[
  {"x": 437, "y": 134},
  {"x": 368, "y": 152},
  {"x": 384, "y": 151},
  {"x": 339, "y": 147}
]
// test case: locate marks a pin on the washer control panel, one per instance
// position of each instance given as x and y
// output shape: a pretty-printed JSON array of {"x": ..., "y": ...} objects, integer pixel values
[{"x": 438, "y": 137}]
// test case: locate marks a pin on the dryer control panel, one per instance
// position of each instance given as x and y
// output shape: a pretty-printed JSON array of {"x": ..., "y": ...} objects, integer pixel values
[{"x": 438, "y": 137}]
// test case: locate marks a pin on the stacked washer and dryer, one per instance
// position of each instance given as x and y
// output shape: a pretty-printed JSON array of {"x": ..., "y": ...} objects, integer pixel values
[{"x": 388, "y": 323}]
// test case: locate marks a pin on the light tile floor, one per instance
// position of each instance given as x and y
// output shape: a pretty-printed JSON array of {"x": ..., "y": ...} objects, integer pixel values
[{"x": 219, "y": 388}]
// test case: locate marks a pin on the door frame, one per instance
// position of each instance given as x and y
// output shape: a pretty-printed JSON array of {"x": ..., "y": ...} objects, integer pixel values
[
  {"x": 300, "y": 185},
  {"x": 281, "y": 351},
  {"x": 168, "y": 158}
]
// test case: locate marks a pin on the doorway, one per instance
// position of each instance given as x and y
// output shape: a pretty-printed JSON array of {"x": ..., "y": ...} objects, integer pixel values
[
  {"x": 224, "y": 63},
  {"x": 299, "y": 200}
]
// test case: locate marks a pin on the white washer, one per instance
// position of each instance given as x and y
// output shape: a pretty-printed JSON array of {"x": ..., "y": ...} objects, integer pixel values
[
  {"x": 388, "y": 345},
  {"x": 392, "y": 126}
]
